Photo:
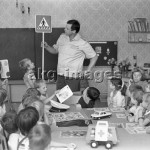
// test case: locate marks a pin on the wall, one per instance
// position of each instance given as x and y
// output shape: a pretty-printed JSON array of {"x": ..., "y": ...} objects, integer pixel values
[{"x": 102, "y": 20}]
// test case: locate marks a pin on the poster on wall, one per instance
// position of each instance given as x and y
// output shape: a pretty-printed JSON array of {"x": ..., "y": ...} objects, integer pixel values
[{"x": 105, "y": 50}]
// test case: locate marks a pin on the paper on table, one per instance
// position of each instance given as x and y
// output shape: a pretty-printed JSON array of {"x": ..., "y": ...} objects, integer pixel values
[
  {"x": 117, "y": 109},
  {"x": 102, "y": 109},
  {"x": 58, "y": 117},
  {"x": 134, "y": 128},
  {"x": 117, "y": 125},
  {"x": 119, "y": 115},
  {"x": 73, "y": 133}
]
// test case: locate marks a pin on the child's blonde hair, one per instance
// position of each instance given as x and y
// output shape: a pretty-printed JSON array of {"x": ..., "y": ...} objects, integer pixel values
[
  {"x": 30, "y": 93},
  {"x": 38, "y": 83},
  {"x": 23, "y": 64},
  {"x": 39, "y": 105},
  {"x": 39, "y": 137},
  {"x": 138, "y": 96}
]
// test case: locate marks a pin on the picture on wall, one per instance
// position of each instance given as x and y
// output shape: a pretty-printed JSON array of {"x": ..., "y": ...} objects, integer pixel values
[{"x": 105, "y": 51}]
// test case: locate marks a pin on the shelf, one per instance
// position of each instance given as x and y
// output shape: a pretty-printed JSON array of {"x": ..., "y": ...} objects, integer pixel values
[
  {"x": 138, "y": 42},
  {"x": 138, "y": 37},
  {"x": 138, "y": 31},
  {"x": 146, "y": 32}
]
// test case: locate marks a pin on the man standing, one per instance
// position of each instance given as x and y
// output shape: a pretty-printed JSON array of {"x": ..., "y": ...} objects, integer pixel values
[{"x": 72, "y": 50}]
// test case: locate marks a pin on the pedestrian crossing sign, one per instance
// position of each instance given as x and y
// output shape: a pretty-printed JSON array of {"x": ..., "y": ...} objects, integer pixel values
[{"x": 43, "y": 24}]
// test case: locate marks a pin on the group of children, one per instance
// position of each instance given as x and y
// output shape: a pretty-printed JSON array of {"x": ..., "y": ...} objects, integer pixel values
[
  {"x": 134, "y": 97},
  {"x": 30, "y": 126}
]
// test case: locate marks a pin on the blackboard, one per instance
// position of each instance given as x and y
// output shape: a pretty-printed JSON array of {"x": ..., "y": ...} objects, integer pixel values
[
  {"x": 19, "y": 43},
  {"x": 106, "y": 50},
  {"x": 16, "y": 44}
]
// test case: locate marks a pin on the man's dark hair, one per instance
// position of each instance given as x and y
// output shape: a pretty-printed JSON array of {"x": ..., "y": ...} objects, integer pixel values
[{"x": 75, "y": 25}]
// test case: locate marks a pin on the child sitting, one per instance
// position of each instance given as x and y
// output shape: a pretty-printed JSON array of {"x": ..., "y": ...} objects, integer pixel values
[
  {"x": 10, "y": 129},
  {"x": 135, "y": 112},
  {"x": 3, "y": 96},
  {"x": 40, "y": 85},
  {"x": 145, "y": 119},
  {"x": 39, "y": 105},
  {"x": 28, "y": 68},
  {"x": 117, "y": 96},
  {"x": 137, "y": 78},
  {"x": 26, "y": 120},
  {"x": 129, "y": 92},
  {"x": 30, "y": 95},
  {"x": 89, "y": 96},
  {"x": 40, "y": 139}
]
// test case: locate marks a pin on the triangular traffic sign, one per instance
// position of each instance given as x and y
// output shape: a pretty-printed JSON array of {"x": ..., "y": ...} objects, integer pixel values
[{"x": 43, "y": 24}]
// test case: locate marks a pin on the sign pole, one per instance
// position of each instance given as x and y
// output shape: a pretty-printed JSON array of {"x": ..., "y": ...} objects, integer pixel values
[
  {"x": 43, "y": 56},
  {"x": 43, "y": 25}
]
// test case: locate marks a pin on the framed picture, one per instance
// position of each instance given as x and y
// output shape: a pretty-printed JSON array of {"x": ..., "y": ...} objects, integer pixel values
[{"x": 105, "y": 51}]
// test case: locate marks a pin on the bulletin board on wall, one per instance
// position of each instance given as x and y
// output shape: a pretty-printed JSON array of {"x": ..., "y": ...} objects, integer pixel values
[{"x": 105, "y": 51}]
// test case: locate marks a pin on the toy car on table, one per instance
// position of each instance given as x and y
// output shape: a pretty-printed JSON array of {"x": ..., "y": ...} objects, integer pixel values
[
  {"x": 101, "y": 134},
  {"x": 100, "y": 115}
]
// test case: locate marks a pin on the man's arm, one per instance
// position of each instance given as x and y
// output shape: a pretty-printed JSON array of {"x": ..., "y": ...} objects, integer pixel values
[
  {"x": 50, "y": 49},
  {"x": 92, "y": 63}
]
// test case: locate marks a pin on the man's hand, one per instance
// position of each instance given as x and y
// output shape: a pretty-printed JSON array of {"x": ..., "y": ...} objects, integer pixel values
[
  {"x": 53, "y": 50},
  {"x": 87, "y": 74},
  {"x": 45, "y": 45}
]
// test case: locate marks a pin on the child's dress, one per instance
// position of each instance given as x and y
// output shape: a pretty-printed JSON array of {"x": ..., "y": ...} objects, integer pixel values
[
  {"x": 135, "y": 110},
  {"x": 117, "y": 100},
  {"x": 29, "y": 79}
]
